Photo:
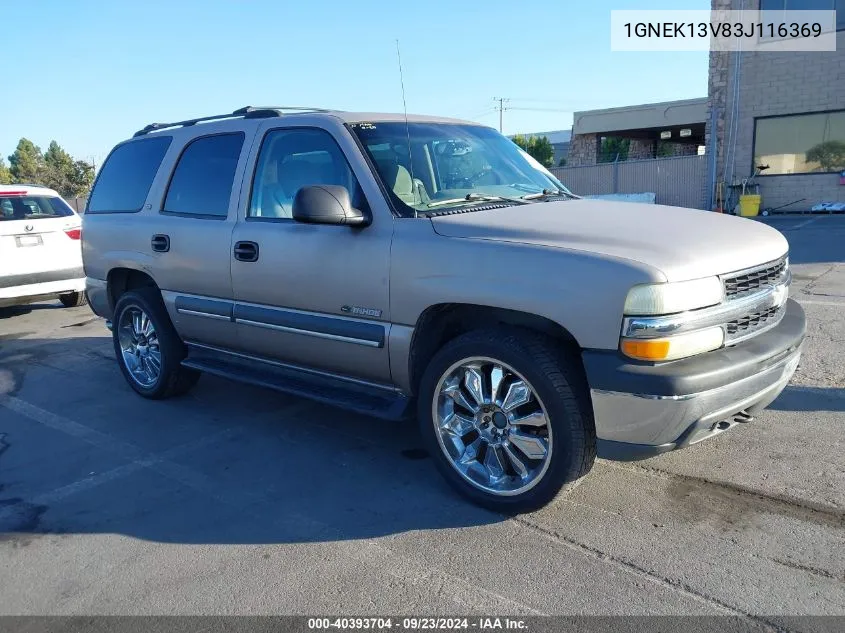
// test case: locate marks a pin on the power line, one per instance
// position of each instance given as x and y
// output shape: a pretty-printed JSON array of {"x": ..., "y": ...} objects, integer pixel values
[
  {"x": 539, "y": 109},
  {"x": 481, "y": 114},
  {"x": 541, "y": 100}
]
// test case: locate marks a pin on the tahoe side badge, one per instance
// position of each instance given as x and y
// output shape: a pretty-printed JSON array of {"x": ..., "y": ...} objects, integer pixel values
[{"x": 359, "y": 311}]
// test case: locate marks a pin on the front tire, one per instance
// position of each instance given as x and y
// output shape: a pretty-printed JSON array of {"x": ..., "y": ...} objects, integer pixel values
[
  {"x": 505, "y": 416},
  {"x": 148, "y": 349},
  {"x": 73, "y": 299}
]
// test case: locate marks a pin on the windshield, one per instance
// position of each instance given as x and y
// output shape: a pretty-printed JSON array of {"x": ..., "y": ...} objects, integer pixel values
[{"x": 452, "y": 165}]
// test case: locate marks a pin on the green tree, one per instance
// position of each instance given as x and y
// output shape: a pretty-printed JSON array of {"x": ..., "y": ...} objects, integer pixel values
[
  {"x": 59, "y": 170},
  {"x": 830, "y": 155},
  {"x": 613, "y": 148},
  {"x": 665, "y": 149},
  {"x": 80, "y": 180},
  {"x": 539, "y": 147},
  {"x": 5, "y": 174},
  {"x": 561, "y": 162},
  {"x": 26, "y": 164},
  {"x": 521, "y": 140}
]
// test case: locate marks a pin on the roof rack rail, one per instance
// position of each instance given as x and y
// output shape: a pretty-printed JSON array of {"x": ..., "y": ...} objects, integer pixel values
[{"x": 248, "y": 112}]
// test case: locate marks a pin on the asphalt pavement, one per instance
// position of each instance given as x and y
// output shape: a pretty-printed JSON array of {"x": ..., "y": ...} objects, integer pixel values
[{"x": 240, "y": 500}]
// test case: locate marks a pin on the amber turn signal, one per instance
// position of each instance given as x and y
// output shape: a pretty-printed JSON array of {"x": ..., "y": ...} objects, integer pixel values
[{"x": 646, "y": 350}]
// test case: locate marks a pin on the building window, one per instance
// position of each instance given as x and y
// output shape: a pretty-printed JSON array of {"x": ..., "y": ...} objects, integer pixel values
[
  {"x": 801, "y": 144},
  {"x": 808, "y": 5}
]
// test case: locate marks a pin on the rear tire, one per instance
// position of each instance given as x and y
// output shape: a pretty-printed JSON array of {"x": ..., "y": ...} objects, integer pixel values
[
  {"x": 73, "y": 299},
  {"x": 148, "y": 349},
  {"x": 554, "y": 422}
]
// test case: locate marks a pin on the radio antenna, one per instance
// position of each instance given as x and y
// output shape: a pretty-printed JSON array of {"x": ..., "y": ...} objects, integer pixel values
[{"x": 407, "y": 129}]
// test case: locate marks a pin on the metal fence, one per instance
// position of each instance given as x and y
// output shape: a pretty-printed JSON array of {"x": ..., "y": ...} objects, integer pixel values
[
  {"x": 679, "y": 181},
  {"x": 78, "y": 203}
]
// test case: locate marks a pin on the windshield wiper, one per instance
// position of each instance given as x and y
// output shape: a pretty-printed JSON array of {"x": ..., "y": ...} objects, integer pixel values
[
  {"x": 475, "y": 197},
  {"x": 548, "y": 193}
]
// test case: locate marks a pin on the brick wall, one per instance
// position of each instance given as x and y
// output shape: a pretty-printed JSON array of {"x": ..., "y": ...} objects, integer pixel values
[
  {"x": 678, "y": 149},
  {"x": 641, "y": 149},
  {"x": 583, "y": 150},
  {"x": 775, "y": 84}
]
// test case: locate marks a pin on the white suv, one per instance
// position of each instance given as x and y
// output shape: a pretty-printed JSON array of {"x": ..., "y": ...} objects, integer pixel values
[{"x": 40, "y": 247}]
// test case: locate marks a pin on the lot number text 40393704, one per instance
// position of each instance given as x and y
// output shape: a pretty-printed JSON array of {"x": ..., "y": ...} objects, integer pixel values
[{"x": 417, "y": 623}]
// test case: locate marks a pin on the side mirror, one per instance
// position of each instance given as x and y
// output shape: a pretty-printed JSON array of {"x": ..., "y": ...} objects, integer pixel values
[{"x": 326, "y": 204}]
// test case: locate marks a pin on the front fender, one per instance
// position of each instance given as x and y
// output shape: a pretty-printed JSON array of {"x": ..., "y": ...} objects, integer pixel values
[{"x": 582, "y": 292}]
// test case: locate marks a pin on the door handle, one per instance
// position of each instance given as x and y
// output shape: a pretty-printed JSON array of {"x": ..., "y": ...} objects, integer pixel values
[
  {"x": 246, "y": 251},
  {"x": 160, "y": 243}
]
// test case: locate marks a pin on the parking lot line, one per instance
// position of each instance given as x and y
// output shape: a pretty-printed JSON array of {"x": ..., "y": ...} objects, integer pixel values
[
  {"x": 373, "y": 554},
  {"x": 69, "y": 427},
  {"x": 801, "y": 225},
  {"x": 812, "y": 302},
  {"x": 98, "y": 479},
  {"x": 631, "y": 568},
  {"x": 81, "y": 485}
]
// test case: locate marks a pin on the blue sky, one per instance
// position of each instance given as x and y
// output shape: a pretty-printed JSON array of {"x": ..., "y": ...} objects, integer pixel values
[{"x": 89, "y": 73}]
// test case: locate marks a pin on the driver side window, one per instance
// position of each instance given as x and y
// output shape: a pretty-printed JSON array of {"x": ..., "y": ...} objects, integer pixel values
[{"x": 295, "y": 158}]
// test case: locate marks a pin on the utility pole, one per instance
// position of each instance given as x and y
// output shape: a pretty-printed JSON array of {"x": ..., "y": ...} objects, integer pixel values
[{"x": 501, "y": 108}]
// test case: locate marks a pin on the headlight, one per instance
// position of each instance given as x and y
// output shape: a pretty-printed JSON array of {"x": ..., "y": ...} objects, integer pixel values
[
  {"x": 673, "y": 347},
  {"x": 650, "y": 299}
]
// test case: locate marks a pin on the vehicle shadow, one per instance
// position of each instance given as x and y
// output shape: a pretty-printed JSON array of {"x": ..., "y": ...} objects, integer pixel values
[
  {"x": 81, "y": 453},
  {"x": 14, "y": 311},
  {"x": 800, "y": 398}
]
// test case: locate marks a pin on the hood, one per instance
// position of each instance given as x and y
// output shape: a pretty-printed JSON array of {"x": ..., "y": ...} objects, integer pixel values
[{"x": 681, "y": 243}]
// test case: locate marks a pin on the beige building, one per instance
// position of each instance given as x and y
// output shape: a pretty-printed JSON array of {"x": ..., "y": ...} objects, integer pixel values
[
  {"x": 772, "y": 108},
  {"x": 781, "y": 109},
  {"x": 672, "y": 128}
]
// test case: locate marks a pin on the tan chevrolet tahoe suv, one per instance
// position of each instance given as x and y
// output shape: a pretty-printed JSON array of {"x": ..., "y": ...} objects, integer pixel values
[{"x": 428, "y": 266}]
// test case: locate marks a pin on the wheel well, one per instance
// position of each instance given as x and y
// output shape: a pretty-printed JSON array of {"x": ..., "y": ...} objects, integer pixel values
[
  {"x": 441, "y": 323},
  {"x": 121, "y": 280}
]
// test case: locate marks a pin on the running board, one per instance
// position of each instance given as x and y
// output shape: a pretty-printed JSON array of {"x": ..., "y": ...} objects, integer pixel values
[{"x": 361, "y": 397}]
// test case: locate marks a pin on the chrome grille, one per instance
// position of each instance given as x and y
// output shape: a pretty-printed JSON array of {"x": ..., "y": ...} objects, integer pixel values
[
  {"x": 748, "y": 281},
  {"x": 755, "y": 302},
  {"x": 749, "y": 324}
]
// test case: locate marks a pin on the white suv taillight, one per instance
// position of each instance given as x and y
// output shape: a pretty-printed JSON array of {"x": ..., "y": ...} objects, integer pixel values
[{"x": 74, "y": 234}]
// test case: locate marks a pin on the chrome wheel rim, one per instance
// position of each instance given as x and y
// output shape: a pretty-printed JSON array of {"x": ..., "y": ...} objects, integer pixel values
[
  {"x": 139, "y": 346},
  {"x": 492, "y": 426}
]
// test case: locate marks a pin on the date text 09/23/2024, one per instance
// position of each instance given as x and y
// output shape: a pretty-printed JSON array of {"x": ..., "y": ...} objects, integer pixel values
[{"x": 417, "y": 623}]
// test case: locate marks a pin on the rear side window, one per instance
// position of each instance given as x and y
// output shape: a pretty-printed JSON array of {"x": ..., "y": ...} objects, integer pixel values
[
  {"x": 202, "y": 181},
  {"x": 127, "y": 175},
  {"x": 22, "y": 207}
]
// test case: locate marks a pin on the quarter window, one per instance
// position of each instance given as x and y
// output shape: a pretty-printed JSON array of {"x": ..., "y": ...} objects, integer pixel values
[
  {"x": 202, "y": 181},
  {"x": 801, "y": 144},
  {"x": 127, "y": 175},
  {"x": 292, "y": 159}
]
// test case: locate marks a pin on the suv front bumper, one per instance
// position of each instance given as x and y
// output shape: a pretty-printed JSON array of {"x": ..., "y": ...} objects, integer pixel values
[{"x": 644, "y": 409}]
